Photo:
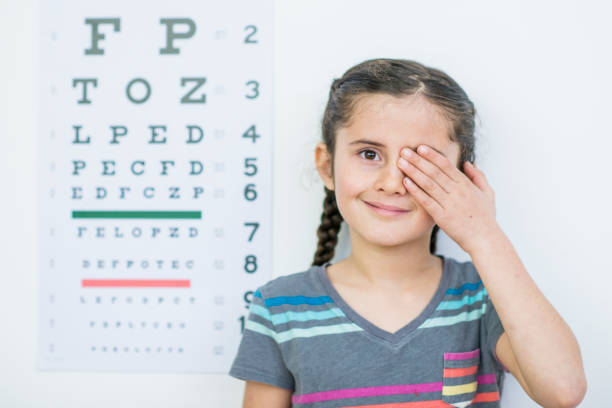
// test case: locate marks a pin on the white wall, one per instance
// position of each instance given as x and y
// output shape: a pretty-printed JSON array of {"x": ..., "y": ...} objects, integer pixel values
[{"x": 539, "y": 74}]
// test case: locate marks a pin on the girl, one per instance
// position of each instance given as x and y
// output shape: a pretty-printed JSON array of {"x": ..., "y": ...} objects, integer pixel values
[{"x": 393, "y": 325}]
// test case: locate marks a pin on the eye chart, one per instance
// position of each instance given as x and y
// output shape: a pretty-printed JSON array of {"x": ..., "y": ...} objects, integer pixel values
[{"x": 155, "y": 135}]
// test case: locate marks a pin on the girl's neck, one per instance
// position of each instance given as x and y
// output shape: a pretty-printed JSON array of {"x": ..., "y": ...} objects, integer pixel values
[{"x": 399, "y": 269}]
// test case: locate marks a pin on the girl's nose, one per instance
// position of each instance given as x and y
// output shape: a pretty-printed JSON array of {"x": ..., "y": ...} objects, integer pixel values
[{"x": 390, "y": 179}]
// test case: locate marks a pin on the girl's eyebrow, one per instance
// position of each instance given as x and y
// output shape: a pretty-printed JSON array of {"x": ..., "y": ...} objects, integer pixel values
[
  {"x": 378, "y": 144},
  {"x": 364, "y": 141}
]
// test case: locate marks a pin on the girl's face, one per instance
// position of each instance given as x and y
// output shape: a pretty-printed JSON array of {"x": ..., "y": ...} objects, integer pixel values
[{"x": 366, "y": 170}]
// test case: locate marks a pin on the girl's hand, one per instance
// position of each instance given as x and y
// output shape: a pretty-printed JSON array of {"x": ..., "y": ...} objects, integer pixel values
[{"x": 462, "y": 206}]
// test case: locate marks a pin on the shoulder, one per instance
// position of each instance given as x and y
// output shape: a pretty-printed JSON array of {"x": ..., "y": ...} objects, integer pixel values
[
  {"x": 462, "y": 278},
  {"x": 302, "y": 283},
  {"x": 463, "y": 272}
]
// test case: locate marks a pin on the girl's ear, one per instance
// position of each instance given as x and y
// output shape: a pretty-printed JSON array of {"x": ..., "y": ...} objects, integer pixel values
[{"x": 323, "y": 163}]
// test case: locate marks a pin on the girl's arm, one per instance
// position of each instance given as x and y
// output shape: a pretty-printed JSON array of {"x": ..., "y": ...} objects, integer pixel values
[
  {"x": 260, "y": 395},
  {"x": 538, "y": 347},
  {"x": 463, "y": 205}
]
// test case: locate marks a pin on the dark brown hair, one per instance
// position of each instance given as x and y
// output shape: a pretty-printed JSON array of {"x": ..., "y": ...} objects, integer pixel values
[{"x": 396, "y": 77}]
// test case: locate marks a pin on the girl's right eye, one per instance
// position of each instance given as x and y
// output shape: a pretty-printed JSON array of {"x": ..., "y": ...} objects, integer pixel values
[{"x": 369, "y": 155}]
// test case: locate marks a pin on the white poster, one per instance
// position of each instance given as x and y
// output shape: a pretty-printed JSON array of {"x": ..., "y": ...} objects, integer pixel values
[{"x": 155, "y": 134}]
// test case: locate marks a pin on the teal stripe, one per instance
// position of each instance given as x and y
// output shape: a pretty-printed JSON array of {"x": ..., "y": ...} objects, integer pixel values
[
  {"x": 298, "y": 300},
  {"x": 259, "y": 328},
  {"x": 317, "y": 331},
  {"x": 463, "y": 288},
  {"x": 285, "y": 317},
  {"x": 450, "y": 320},
  {"x": 458, "y": 304},
  {"x": 297, "y": 333}
]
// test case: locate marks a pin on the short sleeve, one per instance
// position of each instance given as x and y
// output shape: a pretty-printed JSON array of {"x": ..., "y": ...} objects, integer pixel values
[
  {"x": 492, "y": 328},
  {"x": 259, "y": 356}
]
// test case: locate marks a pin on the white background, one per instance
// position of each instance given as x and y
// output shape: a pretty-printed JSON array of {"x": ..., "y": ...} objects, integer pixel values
[{"x": 539, "y": 75}]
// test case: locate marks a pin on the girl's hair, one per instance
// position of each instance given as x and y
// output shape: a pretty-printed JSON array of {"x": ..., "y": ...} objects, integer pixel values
[{"x": 396, "y": 77}]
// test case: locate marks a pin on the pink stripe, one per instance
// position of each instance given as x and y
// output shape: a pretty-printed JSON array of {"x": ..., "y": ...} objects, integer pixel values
[
  {"x": 462, "y": 356},
  {"x": 367, "y": 392},
  {"x": 487, "y": 379},
  {"x": 381, "y": 390}
]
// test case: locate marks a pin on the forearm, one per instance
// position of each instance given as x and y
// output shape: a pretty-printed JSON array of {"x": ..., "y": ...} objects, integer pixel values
[{"x": 545, "y": 348}]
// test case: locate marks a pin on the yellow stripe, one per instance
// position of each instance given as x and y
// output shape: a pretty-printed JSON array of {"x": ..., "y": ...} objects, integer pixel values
[{"x": 459, "y": 389}]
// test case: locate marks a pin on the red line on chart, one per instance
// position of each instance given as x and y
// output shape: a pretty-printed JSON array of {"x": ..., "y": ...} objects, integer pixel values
[{"x": 135, "y": 283}]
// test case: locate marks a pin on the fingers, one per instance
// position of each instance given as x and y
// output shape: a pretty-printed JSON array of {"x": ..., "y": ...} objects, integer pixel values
[
  {"x": 439, "y": 160},
  {"x": 476, "y": 176},
  {"x": 432, "y": 207},
  {"x": 427, "y": 166}
]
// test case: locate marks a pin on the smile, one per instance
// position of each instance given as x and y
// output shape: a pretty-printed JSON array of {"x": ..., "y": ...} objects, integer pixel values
[{"x": 383, "y": 211}]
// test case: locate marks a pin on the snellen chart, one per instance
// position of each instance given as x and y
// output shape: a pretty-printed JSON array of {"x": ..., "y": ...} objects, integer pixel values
[{"x": 155, "y": 181}]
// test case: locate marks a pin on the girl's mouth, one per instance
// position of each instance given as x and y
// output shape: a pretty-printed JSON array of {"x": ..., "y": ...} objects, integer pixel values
[{"x": 383, "y": 211}]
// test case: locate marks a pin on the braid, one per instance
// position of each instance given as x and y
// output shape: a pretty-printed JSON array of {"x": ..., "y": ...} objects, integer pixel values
[
  {"x": 328, "y": 230},
  {"x": 432, "y": 242}
]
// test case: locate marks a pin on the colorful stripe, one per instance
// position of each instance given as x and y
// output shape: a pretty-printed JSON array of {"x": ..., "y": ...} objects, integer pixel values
[
  {"x": 459, "y": 318},
  {"x": 285, "y": 317},
  {"x": 486, "y": 397},
  {"x": 380, "y": 391},
  {"x": 463, "y": 288},
  {"x": 487, "y": 379},
  {"x": 294, "y": 300},
  {"x": 462, "y": 356},
  {"x": 367, "y": 392},
  {"x": 298, "y": 300},
  {"x": 458, "y": 304},
  {"x": 308, "y": 315},
  {"x": 460, "y": 372},
  {"x": 480, "y": 397},
  {"x": 415, "y": 404},
  {"x": 459, "y": 389},
  {"x": 259, "y": 328},
  {"x": 291, "y": 334}
]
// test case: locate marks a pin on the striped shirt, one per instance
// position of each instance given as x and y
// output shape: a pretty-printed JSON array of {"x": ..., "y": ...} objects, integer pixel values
[{"x": 302, "y": 336}]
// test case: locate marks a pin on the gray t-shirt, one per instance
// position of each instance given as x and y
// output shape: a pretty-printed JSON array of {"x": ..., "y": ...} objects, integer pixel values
[{"x": 302, "y": 336}]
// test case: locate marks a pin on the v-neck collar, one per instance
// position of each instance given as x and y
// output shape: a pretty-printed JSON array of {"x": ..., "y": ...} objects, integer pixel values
[{"x": 366, "y": 325}]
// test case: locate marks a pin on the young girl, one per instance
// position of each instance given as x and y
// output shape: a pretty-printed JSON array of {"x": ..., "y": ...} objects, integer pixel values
[{"x": 393, "y": 325}]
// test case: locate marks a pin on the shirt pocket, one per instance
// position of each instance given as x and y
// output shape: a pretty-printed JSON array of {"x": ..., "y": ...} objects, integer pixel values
[{"x": 460, "y": 378}]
